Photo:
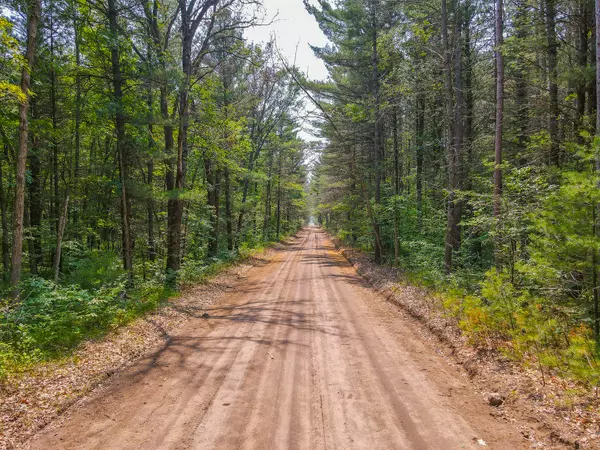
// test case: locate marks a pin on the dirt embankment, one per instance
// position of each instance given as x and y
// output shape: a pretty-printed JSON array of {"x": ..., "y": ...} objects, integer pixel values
[{"x": 550, "y": 412}]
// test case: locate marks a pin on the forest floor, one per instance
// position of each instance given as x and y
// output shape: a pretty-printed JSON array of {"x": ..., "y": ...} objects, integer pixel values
[{"x": 300, "y": 352}]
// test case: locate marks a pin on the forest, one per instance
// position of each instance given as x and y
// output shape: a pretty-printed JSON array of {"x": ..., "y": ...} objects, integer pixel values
[
  {"x": 147, "y": 144},
  {"x": 463, "y": 148}
]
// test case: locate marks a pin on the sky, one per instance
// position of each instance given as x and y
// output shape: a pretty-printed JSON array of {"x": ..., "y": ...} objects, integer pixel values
[{"x": 294, "y": 30}]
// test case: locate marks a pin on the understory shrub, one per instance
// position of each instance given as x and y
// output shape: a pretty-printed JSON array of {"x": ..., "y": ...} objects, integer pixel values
[
  {"x": 52, "y": 319},
  {"x": 527, "y": 328}
]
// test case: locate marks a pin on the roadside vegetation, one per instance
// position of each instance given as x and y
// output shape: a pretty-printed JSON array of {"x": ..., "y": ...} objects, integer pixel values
[
  {"x": 464, "y": 150},
  {"x": 144, "y": 146}
]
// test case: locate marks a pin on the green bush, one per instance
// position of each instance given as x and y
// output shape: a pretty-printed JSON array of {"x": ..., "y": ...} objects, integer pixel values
[
  {"x": 527, "y": 328},
  {"x": 91, "y": 269},
  {"x": 51, "y": 319}
]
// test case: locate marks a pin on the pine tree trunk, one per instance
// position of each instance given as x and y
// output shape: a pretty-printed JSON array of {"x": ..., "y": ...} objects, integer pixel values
[
  {"x": 122, "y": 152},
  {"x": 469, "y": 113},
  {"x": 554, "y": 157},
  {"x": 212, "y": 192},
  {"x": 591, "y": 87},
  {"x": 396, "y": 182},
  {"x": 582, "y": 60},
  {"x": 521, "y": 32},
  {"x": 278, "y": 225},
  {"x": 54, "y": 140},
  {"x": 245, "y": 188},
  {"x": 150, "y": 211},
  {"x": 228, "y": 210},
  {"x": 176, "y": 203},
  {"x": 172, "y": 245},
  {"x": 396, "y": 143},
  {"x": 4, "y": 221},
  {"x": 35, "y": 206},
  {"x": 150, "y": 171},
  {"x": 267, "y": 215},
  {"x": 378, "y": 132},
  {"x": 595, "y": 253},
  {"x": 62, "y": 223},
  {"x": 454, "y": 111},
  {"x": 499, "y": 108},
  {"x": 78, "y": 105},
  {"x": 77, "y": 94},
  {"x": 420, "y": 150},
  {"x": 453, "y": 234},
  {"x": 19, "y": 205}
]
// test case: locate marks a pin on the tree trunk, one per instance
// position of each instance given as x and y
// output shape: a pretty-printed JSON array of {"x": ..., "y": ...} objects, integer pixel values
[
  {"x": 35, "y": 206},
  {"x": 499, "y": 108},
  {"x": 554, "y": 157},
  {"x": 582, "y": 59},
  {"x": 150, "y": 211},
  {"x": 150, "y": 178},
  {"x": 4, "y": 221},
  {"x": 54, "y": 140},
  {"x": 278, "y": 224},
  {"x": 78, "y": 105},
  {"x": 173, "y": 253},
  {"x": 396, "y": 182},
  {"x": 454, "y": 111},
  {"x": 455, "y": 205},
  {"x": 122, "y": 152},
  {"x": 595, "y": 253},
  {"x": 19, "y": 205},
  {"x": 522, "y": 27},
  {"x": 176, "y": 206},
  {"x": 469, "y": 113},
  {"x": 212, "y": 192},
  {"x": 378, "y": 134},
  {"x": 267, "y": 215},
  {"x": 420, "y": 141},
  {"x": 173, "y": 261},
  {"x": 228, "y": 210},
  {"x": 62, "y": 222},
  {"x": 591, "y": 87},
  {"x": 77, "y": 93},
  {"x": 396, "y": 143},
  {"x": 245, "y": 188}
]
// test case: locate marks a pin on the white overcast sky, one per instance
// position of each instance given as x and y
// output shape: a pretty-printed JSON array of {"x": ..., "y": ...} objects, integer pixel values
[{"x": 294, "y": 30}]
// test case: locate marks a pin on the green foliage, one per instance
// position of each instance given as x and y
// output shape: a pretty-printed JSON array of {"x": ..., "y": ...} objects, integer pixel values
[
  {"x": 11, "y": 61},
  {"x": 90, "y": 269},
  {"x": 51, "y": 320},
  {"x": 527, "y": 328},
  {"x": 238, "y": 186}
]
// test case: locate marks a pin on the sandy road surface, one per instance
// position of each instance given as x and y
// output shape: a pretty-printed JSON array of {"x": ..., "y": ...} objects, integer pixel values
[{"x": 301, "y": 354}]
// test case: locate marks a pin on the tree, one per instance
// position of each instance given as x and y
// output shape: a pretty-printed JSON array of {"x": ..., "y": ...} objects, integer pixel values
[
  {"x": 33, "y": 14},
  {"x": 499, "y": 108},
  {"x": 411, "y": 111}
]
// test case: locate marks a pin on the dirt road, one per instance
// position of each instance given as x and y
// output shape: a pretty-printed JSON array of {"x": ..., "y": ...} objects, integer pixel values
[{"x": 301, "y": 354}]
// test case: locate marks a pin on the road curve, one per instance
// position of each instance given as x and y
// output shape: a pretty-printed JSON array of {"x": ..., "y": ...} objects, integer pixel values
[{"x": 300, "y": 354}]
